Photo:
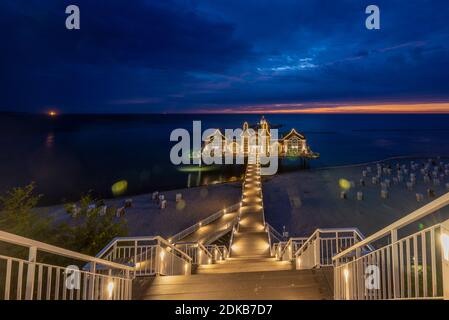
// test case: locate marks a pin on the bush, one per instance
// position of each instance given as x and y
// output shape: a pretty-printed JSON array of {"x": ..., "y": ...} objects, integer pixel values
[{"x": 89, "y": 232}]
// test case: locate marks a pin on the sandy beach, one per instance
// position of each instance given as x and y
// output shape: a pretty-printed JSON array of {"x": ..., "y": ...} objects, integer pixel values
[
  {"x": 305, "y": 200},
  {"x": 301, "y": 201},
  {"x": 145, "y": 218}
]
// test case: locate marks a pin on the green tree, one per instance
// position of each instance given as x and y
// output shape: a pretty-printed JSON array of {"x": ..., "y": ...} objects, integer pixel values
[
  {"x": 89, "y": 231},
  {"x": 17, "y": 214}
]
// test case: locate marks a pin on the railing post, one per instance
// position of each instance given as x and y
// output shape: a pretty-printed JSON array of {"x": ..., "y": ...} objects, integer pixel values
[
  {"x": 290, "y": 254},
  {"x": 129, "y": 287},
  {"x": 395, "y": 260},
  {"x": 32, "y": 255},
  {"x": 337, "y": 246},
  {"x": 318, "y": 251},
  {"x": 337, "y": 280},
  {"x": 93, "y": 269},
  {"x": 158, "y": 259},
  {"x": 359, "y": 276},
  {"x": 445, "y": 258},
  {"x": 114, "y": 252},
  {"x": 135, "y": 252},
  {"x": 346, "y": 276}
]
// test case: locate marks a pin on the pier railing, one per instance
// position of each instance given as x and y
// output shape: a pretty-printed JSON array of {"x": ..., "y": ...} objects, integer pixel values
[
  {"x": 33, "y": 270},
  {"x": 184, "y": 233},
  {"x": 406, "y": 264},
  {"x": 285, "y": 250},
  {"x": 317, "y": 251},
  {"x": 150, "y": 256},
  {"x": 219, "y": 253},
  {"x": 275, "y": 239},
  {"x": 199, "y": 253}
]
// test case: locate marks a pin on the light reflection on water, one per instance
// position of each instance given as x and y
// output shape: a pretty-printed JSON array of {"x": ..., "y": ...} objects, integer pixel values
[
  {"x": 94, "y": 152},
  {"x": 50, "y": 140}
]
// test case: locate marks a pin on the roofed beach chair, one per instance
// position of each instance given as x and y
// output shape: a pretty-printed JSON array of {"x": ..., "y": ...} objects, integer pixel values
[
  {"x": 120, "y": 212},
  {"x": 103, "y": 210}
]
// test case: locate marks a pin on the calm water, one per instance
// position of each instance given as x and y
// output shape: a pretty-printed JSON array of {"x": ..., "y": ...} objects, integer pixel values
[{"x": 70, "y": 155}]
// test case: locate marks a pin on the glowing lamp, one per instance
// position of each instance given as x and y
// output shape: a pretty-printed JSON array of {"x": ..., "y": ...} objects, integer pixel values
[
  {"x": 110, "y": 289},
  {"x": 346, "y": 274}
]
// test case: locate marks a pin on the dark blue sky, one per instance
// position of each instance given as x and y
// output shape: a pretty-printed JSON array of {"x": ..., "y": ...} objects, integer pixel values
[{"x": 178, "y": 56}]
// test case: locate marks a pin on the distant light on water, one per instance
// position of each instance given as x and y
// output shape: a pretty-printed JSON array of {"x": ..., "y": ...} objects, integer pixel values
[
  {"x": 192, "y": 169},
  {"x": 52, "y": 113},
  {"x": 119, "y": 187}
]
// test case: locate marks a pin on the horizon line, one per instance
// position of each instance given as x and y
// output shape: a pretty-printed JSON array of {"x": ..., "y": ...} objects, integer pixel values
[{"x": 292, "y": 108}]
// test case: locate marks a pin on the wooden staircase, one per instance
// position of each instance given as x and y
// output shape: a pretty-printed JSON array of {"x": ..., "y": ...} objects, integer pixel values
[
  {"x": 250, "y": 272},
  {"x": 251, "y": 239},
  {"x": 261, "y": 285}
]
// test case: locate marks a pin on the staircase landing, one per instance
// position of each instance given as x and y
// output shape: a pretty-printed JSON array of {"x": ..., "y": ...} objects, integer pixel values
[{"x": 268, "y": 285}]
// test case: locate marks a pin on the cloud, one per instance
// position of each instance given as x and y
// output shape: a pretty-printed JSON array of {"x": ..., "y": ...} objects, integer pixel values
[{"x": 175, "y": 55}]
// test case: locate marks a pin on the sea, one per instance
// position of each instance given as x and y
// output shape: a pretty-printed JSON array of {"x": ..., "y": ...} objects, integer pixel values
[{"x": 67, "y": 156}]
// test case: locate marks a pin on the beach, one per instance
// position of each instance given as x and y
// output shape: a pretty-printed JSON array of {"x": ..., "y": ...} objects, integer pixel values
[
  {"x": 302, "y": 201},
  {"x": 145, "y": 218},
  {"x": 306, "y": 200}
]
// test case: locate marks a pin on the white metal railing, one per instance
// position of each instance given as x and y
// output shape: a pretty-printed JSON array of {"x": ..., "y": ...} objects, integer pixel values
[
  {"x": 150, "y": 255},
  {"x": 275, "y": 239},
  {"x": 35, "y": 278},
  {"x": 411, "y": 266},
  {"x": 274, "y": 233},
  {"x": 184, "y": 233},
  {"x": 218, "y": 252},
  {"x": 285, "y": 250},
  {"x": 317, "y": 251},
  {"x": 196, "y": 251}
]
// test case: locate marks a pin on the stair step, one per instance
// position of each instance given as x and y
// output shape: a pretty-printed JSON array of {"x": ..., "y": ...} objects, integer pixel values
[
  {"x": 249, "y": 265},
  {"x": 271, "y": 285}
]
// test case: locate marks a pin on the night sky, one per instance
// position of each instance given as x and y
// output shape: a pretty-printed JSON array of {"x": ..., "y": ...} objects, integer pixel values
[{"x": 224, "y": 56}]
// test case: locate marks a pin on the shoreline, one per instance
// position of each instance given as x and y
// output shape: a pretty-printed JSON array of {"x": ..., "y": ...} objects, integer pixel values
[
  {"x": 239, "y": 180},
  {"x": 301, "y": 200}
]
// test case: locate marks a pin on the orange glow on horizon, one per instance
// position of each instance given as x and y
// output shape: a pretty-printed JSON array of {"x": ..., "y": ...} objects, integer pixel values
[{"x": 373, "y": 108}]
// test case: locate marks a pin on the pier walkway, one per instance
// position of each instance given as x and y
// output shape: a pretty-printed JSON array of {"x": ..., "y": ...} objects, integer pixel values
[{"x": 250, "y": 271}]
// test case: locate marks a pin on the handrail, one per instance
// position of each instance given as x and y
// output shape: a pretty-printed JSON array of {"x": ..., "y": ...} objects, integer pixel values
[
  {"x": 289, "y": 243},
  {"x": 182, "y": 234},
  {"x": 151, "y": 238},
  {"x": 276, "y": 233},
  {"x": 327, "y": 230},
  {"x": 408, "y": 219},
  {"x": 41, "y": 246},
  {"x": 407, "y": 268},
  {"x": 204, "y": 249}
]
